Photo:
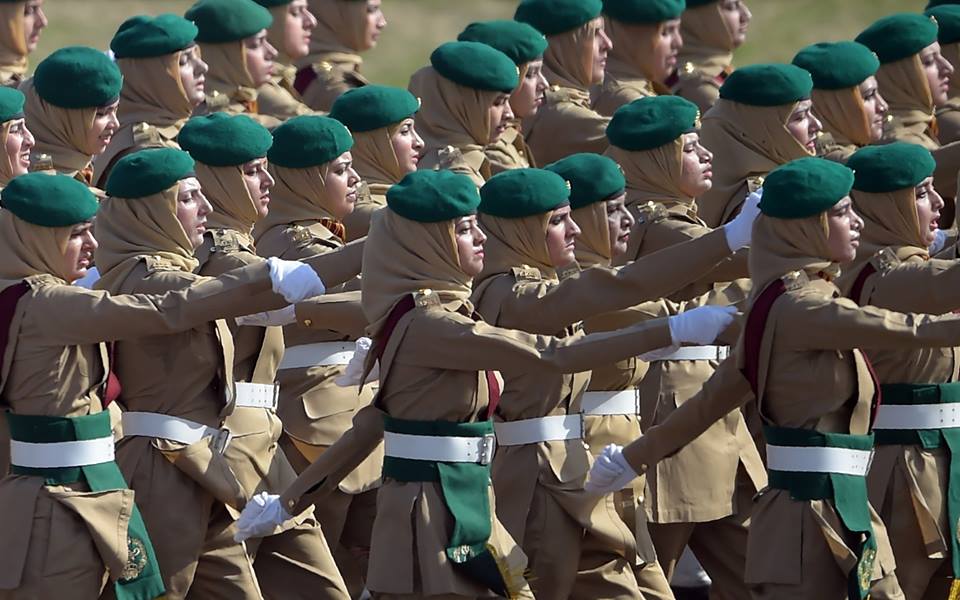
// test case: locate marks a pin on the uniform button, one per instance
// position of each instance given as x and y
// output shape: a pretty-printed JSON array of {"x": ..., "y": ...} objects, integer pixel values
[{"x": 308, "y": 322}]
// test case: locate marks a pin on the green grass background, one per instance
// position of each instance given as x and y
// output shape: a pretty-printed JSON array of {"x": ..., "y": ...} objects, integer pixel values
[{"x": 415, "y": 27}]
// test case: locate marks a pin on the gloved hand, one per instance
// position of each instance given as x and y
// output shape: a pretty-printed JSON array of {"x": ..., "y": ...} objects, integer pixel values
[
  {"x": 260, "y": 517},
  {"x": 354, "y": 371},
  {"x": 610, "y": 472},
  {"x": 939, "y": 242},
  {"x": 281, "y": 316},
  {"x": 294, "y": 280},
  {"x": 700, "y": 325},
  {"x": 740, "y": 229}
]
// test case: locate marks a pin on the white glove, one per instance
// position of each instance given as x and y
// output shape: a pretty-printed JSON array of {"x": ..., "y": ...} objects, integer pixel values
[
  {"x": 939, "y": 242},
  {"x": 354, "y": 371},
  {"x": 610, "y": 472},
  {"x": 262, "y": 516},
  {"x": 87, "y": 281},
  {"x": 281, "y": 316},
  {"x": 294, "y": 280},
  {"x": 700, "y": 325},
  {"x": 740, "y": 229}
]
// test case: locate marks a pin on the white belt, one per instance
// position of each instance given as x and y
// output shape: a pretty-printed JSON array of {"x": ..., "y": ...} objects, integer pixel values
[
  {"x": 156, "y": 425},
  {"x": 257, "y": 395},
  {"x": 57, "y": 455},
  {"x": 541, "y": 429},
  {"x": 322, "y": 354},
  {"x": 814, "y": 459},
  {"x": 626, "y": 402},
  {"x": 918, "y": 416},
  {"x": 439, "y": 448},
  {"x": 697, "y": 353}
]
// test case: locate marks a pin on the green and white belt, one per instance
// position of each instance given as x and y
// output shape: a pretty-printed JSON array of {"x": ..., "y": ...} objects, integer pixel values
[
  {"x": 257, "y": 395},
  {"x": 450, "y": 449},
  {"x": 321, "y": 354},
  {"x": 57, "y": 455},
  {"x": 626, "y": 402},
  {"x": 539, "y": 429},
  {"x": 819, "y": 459}
]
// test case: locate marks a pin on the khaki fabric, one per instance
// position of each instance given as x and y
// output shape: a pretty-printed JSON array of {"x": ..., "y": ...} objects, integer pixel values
[
  {"x": 13, "y": 44},
  {"x": 60, "y": 133},
  {"x": 277, "y": 97},
  {"x": 628, "y": 72},
  {"x": 334, "y": 51},
  {"x": 948, "y": 116},
  {"x": 376, "y": 163},
  {"x": 510, "y": 151},
  {"x": 844, "y": 123},
  {"x": 229, "y": 87},
  {"x": 706, "y": 58}
]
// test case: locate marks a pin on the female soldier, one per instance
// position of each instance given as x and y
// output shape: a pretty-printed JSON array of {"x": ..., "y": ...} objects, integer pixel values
[
  {"x": 386, "y": 146},
  {"x": 230, "y": 154},
  {"x": 68, "y": 516},
  {"x": 232, "y": 35},
  {"x": 646, "y": 40},
  {"x": 711, "y": 30},
  {"x": 25, "y": 20},
  {"x": 466, "y": 105},
  {"x": 72, "y": 123},
  {"x": 290, "y": 34},
  {"x": 948, "y": 36},
  {"x": 910, "y": 481},
  {"x": 177, "y": 448},
  {"x": 845, "y": 96},
  {"x": 800, "y": 355},
  {"x": 163, "y": 81},
  {"x": 524, "y": 45},
  {"x": 763, "y": 119},
  {"x": 436, "y": 531},
  {"x": 16, "y": 139},
  {"x": 576, "y": 55},
  {"x": 345, "y": 28}
]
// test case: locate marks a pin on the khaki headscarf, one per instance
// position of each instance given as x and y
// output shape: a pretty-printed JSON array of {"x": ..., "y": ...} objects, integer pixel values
[
  {"x": 843, "y": 115},
  {"x": 129, "y": 229},
  {"x": 904, "y": 86},
  {"x": 516, "y": 243},
  {"x": 299, "y": 195},
  {"x": 633, "y": 45},
  {"x": 374, "y": 158},
  {"x": 341, "y": 27},
  {"x": 6, "y": 166},
  {"x": 228, "y": 68},
  {"x": 451, "y": 114},
  {"x": 27, "y": 249},
  {"x": 593, "y": 245},
  {"x": 13, "y": 43},
  {"x": 59, "y": 132},
  {"x": 652, "y": 175},
  {"x": 402, "y": 256},
  {"x": 746, "y": 141},
  {"x": 233, "y": 208},
  {"x": 707, "y": 40},
  {"x": 568, "y": 60},
  {"x": 779, "y": 246},
  {"x": 153, "y": 92}
]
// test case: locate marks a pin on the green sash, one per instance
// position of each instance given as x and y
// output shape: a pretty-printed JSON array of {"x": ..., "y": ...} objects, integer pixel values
[
  {"x": 932, "y": 393},
  {"x": 140, "y": 579},
  {"x": 465, "y": 490},
  {"x": 846, "y": 493}
]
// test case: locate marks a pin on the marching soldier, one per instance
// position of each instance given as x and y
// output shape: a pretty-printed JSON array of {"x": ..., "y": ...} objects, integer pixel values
[
  {"x": 290, "y": 34},
  {"x": 948, "y": 35}
]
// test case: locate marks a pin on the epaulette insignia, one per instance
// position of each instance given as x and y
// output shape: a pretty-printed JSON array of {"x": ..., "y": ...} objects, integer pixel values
[
  {"x": 526, "y": 273},
  {"x": 324, "y": 66},
  {"x": 425, "y": 298},
  {"x": 41, "y": 162},
  {"x": 154, "y": 264},
  {"x": 216, "y": 101},
  {"x": 688, "y": 67},
  {"x": 754, "y": 183},
  {"x": 568, "y": 271},
  {"x": 145, "y": 134},
  {"x": 448, "y": 156},
  {"x": 794, "y": 280},
  {"x": 224, "y": 242},
  {"x": 651, "y": 212},
  {"x": 245, "y": 94},
  {"x": 300, "y": 234},
  {"x": 884, "y": 261}
]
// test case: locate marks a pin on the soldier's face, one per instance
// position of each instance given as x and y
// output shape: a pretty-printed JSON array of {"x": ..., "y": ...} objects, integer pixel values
[
  {"x": 258, "y": 181},
  {"x": 105, "y": 124},
  {"x": 407, "y": 146},
  {"x": 874, "y": 107},
  {"x": 696, "y": 166},
  {"x": 736, "y": 17},
  {"x": 259, "y": 55},
  {"x": 666, "y": 47},
  {"x": 18, "y": 144},
  {"x": 376, "y": 22},
  {"x": 192, "y": 210},
  {"x": 843, "y": 237},
  {"x": 34, "y": 20},
  {"x": 340, "y": 186},
  {"x": 298, "y": 29},
  {"x": 619, "y": 224},
  {"x": 193, "y": 74},
  {"x": 804, "y": 126},
  {"x": 499, "y": 116},
  {"x": 78, "y": 255},
  {"x": 531, "y": 94},
  {"x": 470, "y": 240},
  {"x": 562, "y": 235},
  {"x": 938, "y": 71},
  {"x": 601, "y": 47},
  {"x": 929, "y": 204}
]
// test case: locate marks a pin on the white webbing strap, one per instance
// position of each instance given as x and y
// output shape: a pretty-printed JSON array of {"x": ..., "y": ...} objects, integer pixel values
[
  {"x": 541, "y": 429},
  {"x": 321, "y": 354},
  {"x": 56, "y": 455}
]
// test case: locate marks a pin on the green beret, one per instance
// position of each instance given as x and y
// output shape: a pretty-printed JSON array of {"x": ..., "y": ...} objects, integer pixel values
[
  {"x": 222, "y": 140},
  {"x": 476, "y": 66},
  {"x": 948, "y": 21},
  {"x": 78, "y": 77},
  {"x": 837, "y": 65},
  {"x": 898, "y": 36},
  {"x": 651, "y": 122},
  {"x": 371, "y": 107},
  {"x": 145, "y": 37},
  {"x": 592, "y": 177},
  {"x": 769, "y": 84},
  {"x": 519, "y": 193},
  {"x": 148, "y": 172},
  {"x": 221, "y": 21},
  {"x": 644, "y": 11},
  {"x": 804, "y": 187},
  {"x": 309, "y": 141},
  {"x": 11, "y": 104},
  {"x": 699, "y": 3},
  {"x": 49, "y": 200},
  {"x": 432, "y": 196},
  {"x": 890, "y": 167},
  {"x": 519, "y": 41},
  {"x": 551, "y": 17},
  {"x": 273, "y": 3},
  {"x": 935, "y": 3}
]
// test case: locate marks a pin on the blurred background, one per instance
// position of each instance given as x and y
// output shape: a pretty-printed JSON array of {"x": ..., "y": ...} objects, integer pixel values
[{"x": 416, "y": 27}]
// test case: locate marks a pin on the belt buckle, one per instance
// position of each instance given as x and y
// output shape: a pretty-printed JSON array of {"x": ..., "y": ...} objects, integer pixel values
[
  {"x": 488, "y": 445},
  {"x": 276, "y": 397},
  {"x": 221, "y": 440}
]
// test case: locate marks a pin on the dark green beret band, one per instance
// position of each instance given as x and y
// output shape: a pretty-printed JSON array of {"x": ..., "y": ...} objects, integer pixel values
[
  {"x": 273, "y": 3},
  {"x": 592, "y": 177},
  {"x": 78, "y": 77},
  {"x": 644, "y": 11},
  {"x": 519, "y": 41},
  {"x": 432, "y": 196},
  {"x": 519, "y": 193},
  {"x": 222, "y": 21},
  {"x": 476, "y": 66},
  {"x": 371, "y": 107},
  {"x": 805, "y": 187},
  {"x": 11, "y": 104},
  {"x": 699, "y": 3},
  {"x": 890, "y": 167},
  {"x": 147, "y": 172},
  {"x": 222, "y": 140},
  {"x": 551, "y": 17},
  {"x": 309, "y": 141},
  {"x": 948, "y": 20},
  {"x": 935, "y": 3},
  {"x": 651, "y": 122},
  {"x": 898, "y": 36},
  {"x": 49, "y": 200},
  {"x": 145, "y": 37},
  {"x": 770, "y": 84},
  {"x": 837, "y": 65}
]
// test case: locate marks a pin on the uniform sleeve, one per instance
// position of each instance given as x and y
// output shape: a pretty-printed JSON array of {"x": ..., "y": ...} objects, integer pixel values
[
  {"x": 338, "y": 266},
  {"x": 931, "y": 286},
  {"x": 275, "y": 101},
  {"x": 948, "y": 163},
  {"x": 341, "y": 312},
  {"x": 701, "y": 91},
  {"x": 358, "y": 221}
]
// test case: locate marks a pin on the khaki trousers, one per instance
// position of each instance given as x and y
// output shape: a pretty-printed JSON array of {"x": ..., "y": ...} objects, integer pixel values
[{"x": 653, "y": 582}]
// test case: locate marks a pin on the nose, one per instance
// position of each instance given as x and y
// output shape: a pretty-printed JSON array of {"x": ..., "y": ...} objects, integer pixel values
[
  {"x": 745, "y": 14},
  {"x": 507, "y": 113},
  {"x": 882, "y": 106},
  {"x": 114, "y": 122},
  {"x": 417, "y": 141},
  {"x": 628, "y": 220},
  {"x": 205, "y": 207},
  {"x": 815, "y": 125},
  {"x": 352, "y": 177},
  {"x": 310, "y": 20},
  {"x": 573, "y": 230},
  {"x": 28, "y": 140},
  {"x": 271, "y": 51},
  {"x": 945, "y": 67},
  {"x": 542, "y": 83},
  {"x": 41, "y": 21},
  {"x": 605, "y": 42},
  {"x": 266, "y": 180}
]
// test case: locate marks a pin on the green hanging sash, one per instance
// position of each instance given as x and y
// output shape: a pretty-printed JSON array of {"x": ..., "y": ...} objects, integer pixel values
[
  {"x": 140, "y": 579},
  {"x": 846, "y": 493}
]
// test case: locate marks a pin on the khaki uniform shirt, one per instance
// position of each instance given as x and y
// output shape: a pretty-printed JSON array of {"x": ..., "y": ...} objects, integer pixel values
[
  {"x": 278, "y": 99},
  {"x": 564, "y": 125},
  {"x": 948, "y": 122},
  {"x": 371, "y": 197},
  {"x": 830, "y": 149},
  {"x": 130, "y": 139},
  {"x": 243, "y": 101},
  {"x": 333, "y": 78},
  {"x": 692, "y": 83},
  {"x": 473, "y": 162},
  {"x": 619, "y": 88},
  {"x": 509, "y": 152}
]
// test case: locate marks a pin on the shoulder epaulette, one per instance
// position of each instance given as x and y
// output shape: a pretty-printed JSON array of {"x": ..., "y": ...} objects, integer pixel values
[
  {"x": 651, "y": 212},
  {"x": 794, "y": 280},
  {"x": 155, "y": 264},
  {"x": 224, "y": 241},
  {"x": 216, "y": 101},
  {"x": 568, "y": 271},
  {"x": 145, "y": 134},
  {"x": 41, "y": 162},
  {"x": 526, "y": 273},
  {"x": 449, "y": 156},
  {"x": 300, "y": 234},
  {"x": 425, "y": 298},
  {"x": 884, "y": 261}
]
